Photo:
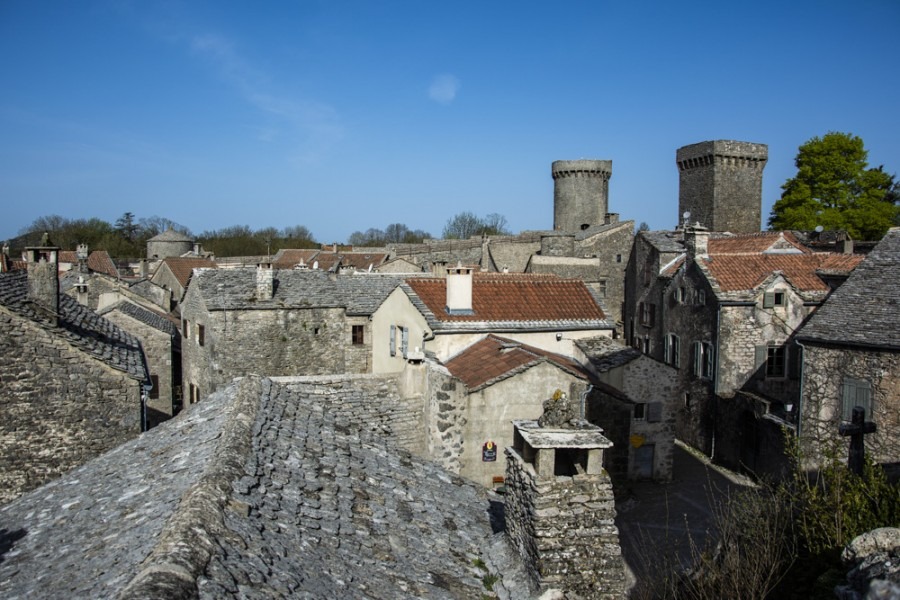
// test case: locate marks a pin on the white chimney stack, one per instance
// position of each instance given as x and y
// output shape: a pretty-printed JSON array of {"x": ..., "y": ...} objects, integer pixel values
[
  {"x": 265, "y": 281},
  {"x": 459, "y": 290}
]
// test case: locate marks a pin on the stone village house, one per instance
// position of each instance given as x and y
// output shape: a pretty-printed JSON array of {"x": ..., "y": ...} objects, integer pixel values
[
  {"x": 71, "y": 383},
  {"x": 851, "y": 357},
  {"x": 724, "y": 312}
]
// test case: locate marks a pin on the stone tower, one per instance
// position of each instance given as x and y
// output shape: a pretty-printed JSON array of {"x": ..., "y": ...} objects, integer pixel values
[
  {"x": 43, "y": 278},
  {"x": 580, "y": 193},
  {"x": 720, "y": 184}
]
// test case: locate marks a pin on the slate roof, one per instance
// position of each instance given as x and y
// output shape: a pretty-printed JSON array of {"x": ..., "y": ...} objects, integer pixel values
[
  {"x": 510, "y": 300},
  {"x": 256, "y": 492},
  {"x": 153, "y": 319},
  {"x": 495, "y": 358},
  {"x": 598, "y": 229},
  {"x": 183, "y": 267},
  {"x": 235, "y": 289},
  {"x": 865, "y": 310},
  {"x": 605, "y": 353},
  {"x": 79, "y": 326},
  {"x": 664, "y": 241},
  {"x": 98, "y": 260}
]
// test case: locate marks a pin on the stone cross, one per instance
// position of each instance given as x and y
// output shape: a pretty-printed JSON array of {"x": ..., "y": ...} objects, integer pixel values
[{"x": 856, "y": 429}]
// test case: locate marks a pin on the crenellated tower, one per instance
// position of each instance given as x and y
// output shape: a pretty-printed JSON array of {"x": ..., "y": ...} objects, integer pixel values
[
  {"x": 720, "y": 184},
  {"x": 580, "y": 193}
]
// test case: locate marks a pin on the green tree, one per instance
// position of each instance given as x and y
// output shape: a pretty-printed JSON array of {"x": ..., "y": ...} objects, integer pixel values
[
  {"x": 127, "y": 226},
  {"x": 835, "y": 188}
]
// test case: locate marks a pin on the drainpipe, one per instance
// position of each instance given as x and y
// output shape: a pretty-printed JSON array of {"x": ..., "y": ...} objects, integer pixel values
[
  {"x": 802, "y": 363},
  {"x": 583, "y": 397},
  {"x": 712, "y": 449}
]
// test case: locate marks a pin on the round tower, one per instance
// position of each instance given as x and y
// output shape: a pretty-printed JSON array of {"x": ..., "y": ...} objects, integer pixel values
[{"x": 580, "y": 190}]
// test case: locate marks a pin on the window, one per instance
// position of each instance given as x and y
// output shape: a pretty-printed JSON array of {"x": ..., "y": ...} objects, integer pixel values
[
  {"x": 856, "y": 392},
  {"x": 357, "y": 335},
  {"x": 393, "y": 340},
  {"x": 772, "y": 360},
  {"x": 618, "y": 258},
  {"x": 701, "y": 297},
  {"x": 186, "y": 329},
  {"x": 201, "y": 334},
  {"x": 647, "y": 314},
  {"x": 672, "y": 350},
  {"x": 639, "y": 411},
  {"x": 645, "y": 345},
  {"x": 601, "y": 288},
  {"x": 154, "y": 391},
  {"x": 680, "y": 295},
  {"x": 702, "y": 360},
  {"x": 404, "y": 341},
  {"x": 774, "y": 298}
]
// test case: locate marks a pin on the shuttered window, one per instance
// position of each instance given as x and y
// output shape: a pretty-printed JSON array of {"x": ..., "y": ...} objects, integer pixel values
[
  {"x": 404, "y": 341},
  {"x": 393, "y": 340},
  {"x": 856, "y": 392}
]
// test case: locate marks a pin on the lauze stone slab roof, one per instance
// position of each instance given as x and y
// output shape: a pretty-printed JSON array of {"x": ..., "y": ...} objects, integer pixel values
[
  {"x": 252, "y": 493},
  {"x": 865, "y": 310},
  {"x": 78, "y": 325}
]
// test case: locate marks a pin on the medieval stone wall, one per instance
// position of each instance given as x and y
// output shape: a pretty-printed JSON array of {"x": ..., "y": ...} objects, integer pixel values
[
  {"x": 444, "y": 417},
  {"x": 158, "y": 349},
  {"x": 824, "y": 371},
  {"x": 60, "y": 407},
  {"x": 564, "y": 529}
]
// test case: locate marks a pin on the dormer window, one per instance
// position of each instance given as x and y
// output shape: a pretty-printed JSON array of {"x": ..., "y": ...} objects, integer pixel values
[{"x": 774, "y": 298}]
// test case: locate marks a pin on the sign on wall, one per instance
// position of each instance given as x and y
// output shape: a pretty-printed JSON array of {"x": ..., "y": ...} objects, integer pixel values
[{"x": 489, "y": 452}]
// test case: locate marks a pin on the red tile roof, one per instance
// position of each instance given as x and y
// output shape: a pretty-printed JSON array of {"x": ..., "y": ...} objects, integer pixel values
[
  {"x": 745, "y": 272},
  {"x": 183, "y": 267},
  {"x": 362, "y": 260},
  {"x": 98, "y": 261},
  {"x": 287, "y": 258},
  {"x": 495, "y": 357},
  {"x": 755, "y": 243},
  {"x": 514, "y": 297}
]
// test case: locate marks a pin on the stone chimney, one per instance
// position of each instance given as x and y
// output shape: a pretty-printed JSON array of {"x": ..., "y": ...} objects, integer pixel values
[
  {"x": 43, "y": 278},
  {"x": 696, "y": 240},
  {"x": 610, "y": 218},
  {"x": 560, "y": 510},
  {"x": 81, "y": 291},
  {"x": 265, "y": 281},
  {"x": 459, "y": 290},
  {"x": 81, "y": 253}
]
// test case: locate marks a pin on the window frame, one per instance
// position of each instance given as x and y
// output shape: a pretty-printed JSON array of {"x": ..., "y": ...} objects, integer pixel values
[
  {"x": 856, "y": 392},
  {"x": 358, "y": 335}
]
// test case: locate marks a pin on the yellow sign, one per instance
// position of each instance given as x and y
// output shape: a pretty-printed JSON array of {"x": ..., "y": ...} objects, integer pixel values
[{"x": 637, "y": 441}]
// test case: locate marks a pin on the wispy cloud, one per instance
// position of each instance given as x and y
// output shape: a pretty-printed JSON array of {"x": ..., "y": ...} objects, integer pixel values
[{"x": 443, "y": 88}]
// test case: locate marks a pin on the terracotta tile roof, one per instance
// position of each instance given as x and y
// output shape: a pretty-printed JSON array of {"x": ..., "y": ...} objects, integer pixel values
[
  {"x": 756, "y": 243},
  {"x": 98, "y": 261},
  {"x": 288, "y": 258},
  {"x": 362, "y": 260},
  {"x": 327, "y": 260},
  {"x": 495, "y": 358},
  {"x": 183, "y": 267},
  {"x": 513, "y": 297},
  {"x": 733, "y": 272}
]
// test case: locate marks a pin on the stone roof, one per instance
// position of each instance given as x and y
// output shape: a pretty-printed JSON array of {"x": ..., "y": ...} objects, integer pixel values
[
  {"x": 604, "y": 228},
  {"x": 79, "y": 326},
  {"x": 511, "y": 300},
  {"x": 98, "y": 261},
  {"x": 183, "y": 267},
  {"x": 495, "y": 358},
  {"x": 865, "y": 310},
  {"x": 153, "y": 319},
  {"x": 664, "y": 241},
  {"x": 235, "y": 289},
  {"x": 254, "y": 492},
  {"x": 605, "y": 353},
  {"x": 170, "y": 235}
]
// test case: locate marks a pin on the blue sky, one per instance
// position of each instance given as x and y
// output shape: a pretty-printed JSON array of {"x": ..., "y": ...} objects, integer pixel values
[{"x": 342, "y": 115}]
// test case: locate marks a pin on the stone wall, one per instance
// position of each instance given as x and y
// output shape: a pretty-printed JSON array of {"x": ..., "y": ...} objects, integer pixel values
[
  {"x": 278, "y": 342},
  {"x": 158, "y": 348},
  {"x": 444, "y": 417},
  {"x": 824, "y": 370},
  {"x": 60, "y": 407},
  {"x": 613, "y": 413},
  {"x": 564, "y": 529},
  {"x": 366, "y": 402}
]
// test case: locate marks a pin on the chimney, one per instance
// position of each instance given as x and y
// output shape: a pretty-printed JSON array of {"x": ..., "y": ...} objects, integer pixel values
[
  {"x": 43, "y": 277},
  {"x": 265, "y": 281},
  {"x": 459, "y": 290},
  {"x": 696, "y": 239},
  {"x": 610, "y": 218},
  {"x": 560, "y": 509},
  {"x": 81, "y": 253},
  {"x": 81, "y": 291},
  {"x": 846, "y": 245}
]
